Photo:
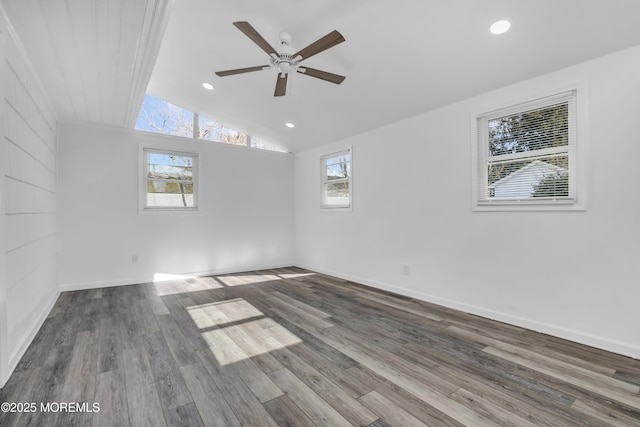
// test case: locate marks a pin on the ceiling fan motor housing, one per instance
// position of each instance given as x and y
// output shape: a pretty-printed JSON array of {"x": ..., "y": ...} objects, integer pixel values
[{"x": 285, "y": 61}]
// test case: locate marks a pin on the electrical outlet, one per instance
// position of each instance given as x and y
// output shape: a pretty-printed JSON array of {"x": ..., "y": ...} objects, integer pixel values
[{"x": 406, "y": 269}]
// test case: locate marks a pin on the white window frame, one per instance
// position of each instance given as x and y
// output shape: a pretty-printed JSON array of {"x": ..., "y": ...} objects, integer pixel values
[
  {"x": 144, "y": 180},
  {"x": 576, "y": 199},
  {"x": 324, "y": 180}
]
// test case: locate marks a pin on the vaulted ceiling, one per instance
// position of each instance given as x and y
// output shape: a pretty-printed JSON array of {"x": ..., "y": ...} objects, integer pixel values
[
  {"x": 94, "y": 57},
  {"x": 401, "y": 58}
]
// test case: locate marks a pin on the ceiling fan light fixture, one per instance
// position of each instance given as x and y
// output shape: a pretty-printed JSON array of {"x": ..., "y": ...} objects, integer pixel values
[
  {"x": 284, "y": 67},
  {"x": 500, "y": 27},
  {"x": 207, "y": 86}
]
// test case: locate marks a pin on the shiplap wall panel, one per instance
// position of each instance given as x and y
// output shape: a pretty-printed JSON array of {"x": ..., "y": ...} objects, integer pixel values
[{"x": 30, "y": 200}]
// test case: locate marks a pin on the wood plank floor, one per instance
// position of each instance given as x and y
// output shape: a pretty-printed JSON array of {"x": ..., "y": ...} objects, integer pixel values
[{"x": 290, "y": 347}]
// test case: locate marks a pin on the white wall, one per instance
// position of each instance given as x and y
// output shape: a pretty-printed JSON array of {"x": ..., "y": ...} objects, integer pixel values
[
  {"x": 412, "y": 205},
  {"x": 28, "y": 232},
  {"x": 244, "y": 223},
  {"x": 4, "y": 167}
]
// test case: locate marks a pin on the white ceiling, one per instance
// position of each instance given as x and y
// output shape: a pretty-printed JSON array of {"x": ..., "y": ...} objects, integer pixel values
[
  {"x": 401, "y": 57},
  {"x": 94, "y": 57}
]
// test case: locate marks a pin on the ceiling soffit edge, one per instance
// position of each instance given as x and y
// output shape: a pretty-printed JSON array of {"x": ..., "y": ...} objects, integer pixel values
[{"x": 156, "y": 19}]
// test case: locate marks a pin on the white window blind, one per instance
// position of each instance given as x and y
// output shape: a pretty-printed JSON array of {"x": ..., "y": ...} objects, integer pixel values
[{"x": 526, "y": 153}]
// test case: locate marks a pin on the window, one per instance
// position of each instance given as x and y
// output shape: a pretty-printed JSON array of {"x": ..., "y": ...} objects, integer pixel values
[
  {"x": 336, "y": 180},
  {"x": 159, "y": 116},
  {"x": 257, "y": 143},
  {"x": 170, "y": 180},
  {"x": 213, "y": 131},
  {"x": 526, "y": 154}
]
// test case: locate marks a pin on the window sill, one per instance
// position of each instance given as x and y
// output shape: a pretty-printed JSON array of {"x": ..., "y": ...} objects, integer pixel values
[
  {"x": 328, "y": 208},
  {"x": 171, "y": 211},
  {"x": 517, "y": 205}
]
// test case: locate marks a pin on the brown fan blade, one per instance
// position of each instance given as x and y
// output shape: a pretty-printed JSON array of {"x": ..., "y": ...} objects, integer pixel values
[
  {"x": 324, "y": 75},
  {"x": 251, "y": 32},
  {"x": 240, "y": 70},
  {"x": 281, "y": 85},
  {"x": 330, "y": 40}
]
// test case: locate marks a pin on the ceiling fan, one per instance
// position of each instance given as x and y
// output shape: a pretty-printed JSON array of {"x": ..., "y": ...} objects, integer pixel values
[{"x": 286, "y": 59}]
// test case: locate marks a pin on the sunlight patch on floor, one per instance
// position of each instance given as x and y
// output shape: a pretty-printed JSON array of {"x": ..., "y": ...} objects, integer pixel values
[
  {"x": 247, "y": 279},
  {"x": 222, "y": 312},
  {"x": 171, "y": 284},
  {"x": 164, "y": 277},
  {"x": 239, "y": 342},
  {"x": 294, "y": 275}
]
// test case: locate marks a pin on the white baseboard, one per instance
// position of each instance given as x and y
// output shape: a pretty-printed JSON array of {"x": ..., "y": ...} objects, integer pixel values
[
  {"x": 30, "y": 334},
  {"x": 147, "y": 279},
  {"x": 623, "y": 348},
  {"x": 67, "y": 287}
]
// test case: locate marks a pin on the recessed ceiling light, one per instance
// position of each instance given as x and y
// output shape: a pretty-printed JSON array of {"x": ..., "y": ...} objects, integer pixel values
[
  {"x": 207, "y": 86},
  {"x": 289, "y": 125},
  {"x": 500, "y": 27}
]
